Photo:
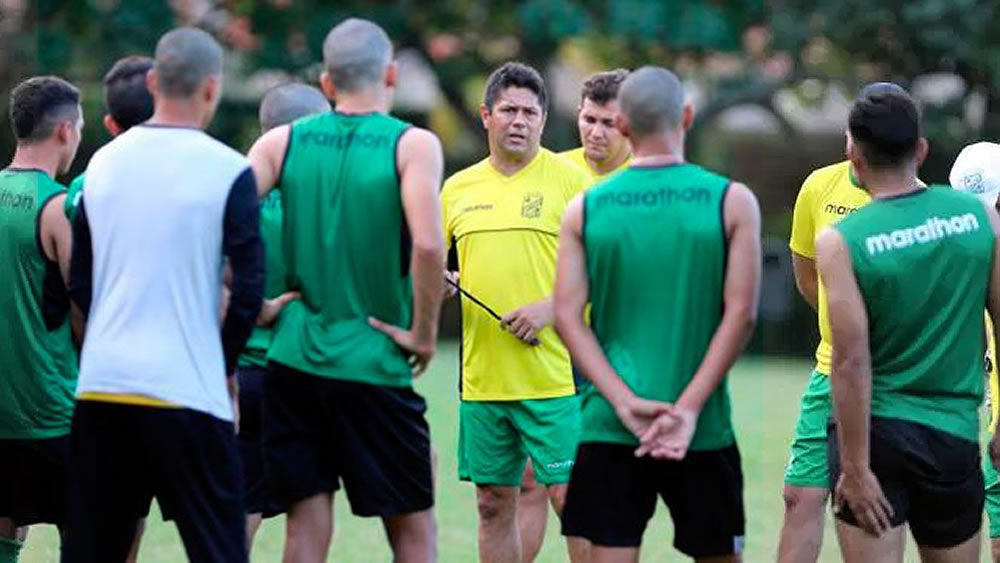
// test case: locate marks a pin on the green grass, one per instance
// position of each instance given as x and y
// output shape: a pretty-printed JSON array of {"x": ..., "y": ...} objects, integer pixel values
[{"x": 765, "y": 397}]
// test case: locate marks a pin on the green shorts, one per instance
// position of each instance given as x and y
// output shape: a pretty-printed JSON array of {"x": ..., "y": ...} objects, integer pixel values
[
  {"x": 992, "y": 496},
  {"x": 807, "y": 466},
  {"x": 495, "y": 439}
]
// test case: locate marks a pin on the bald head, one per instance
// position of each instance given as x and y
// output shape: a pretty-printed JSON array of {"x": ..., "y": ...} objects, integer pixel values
[
  {"x": 185, "y": 57},
  {"x": 652, "y": 100},
  {"x": 356, "y": 53},
  {"x": 288, "y": 102}
]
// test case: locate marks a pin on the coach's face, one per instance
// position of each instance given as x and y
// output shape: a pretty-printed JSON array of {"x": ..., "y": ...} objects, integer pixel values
[{"x": 515, "y": 122}]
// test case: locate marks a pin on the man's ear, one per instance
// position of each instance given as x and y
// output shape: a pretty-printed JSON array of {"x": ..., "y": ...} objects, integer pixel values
[
  {"x": 622, "y": 125},
  {"x": 152, "y": 82},
  {"x": 687, "y": 118},
  {"x": 855, "y": 157},
  {"x": 212, "y": 88},
  {"x": 64, "y": 132},
  {"x": 326, "y": 84},
  {"x": 484, "y": 115},
  {"x": 112, "y": 126},
  {"x": 923, "y": 148},
  {"x": 391, "y": 74}
]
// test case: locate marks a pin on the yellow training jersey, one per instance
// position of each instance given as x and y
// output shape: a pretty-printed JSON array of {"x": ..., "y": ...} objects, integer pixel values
[
  {"x": 827, "y": 195},
  {"x": 506, "y": 229},
  {"x": 576, "y": 156},
  {"x": 994, "y": 396}
]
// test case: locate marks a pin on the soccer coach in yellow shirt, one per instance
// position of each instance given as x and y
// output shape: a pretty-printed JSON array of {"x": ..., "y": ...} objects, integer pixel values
[{"x": 503, "y": 215}]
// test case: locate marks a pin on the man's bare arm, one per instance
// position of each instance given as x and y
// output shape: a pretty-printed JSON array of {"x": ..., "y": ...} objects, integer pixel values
[
  {"x": 267, "y": 156},
  {"x": 572, "y": 289},
  {"x": 57, "y": 243},
  {"x": 421, "y": 165},
  {"x": 851, "y": 379},
  {"x": 806, "y": 279},
  {"x": 857, "y": 487}
]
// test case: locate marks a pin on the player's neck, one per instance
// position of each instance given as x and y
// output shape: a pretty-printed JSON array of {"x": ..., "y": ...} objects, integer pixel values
[
  {"x": 363, "y": 103},
  {"x": 177, "y": 113},
  {"x": 891, "y": 183},
  {"x": 40, "y": 156},
  {"x": 608, "y": 164},
  {"x": 657, "y": 151},
  {"x": 508, "y": 164}
]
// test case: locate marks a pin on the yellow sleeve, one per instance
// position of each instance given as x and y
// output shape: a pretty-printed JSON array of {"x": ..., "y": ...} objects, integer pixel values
[
  {"x": 803, "y": 239},
  {"x": 446, "y": 217}
]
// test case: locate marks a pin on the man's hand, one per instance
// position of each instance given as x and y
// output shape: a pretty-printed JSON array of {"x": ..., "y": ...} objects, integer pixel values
[
  {"x": 637, "y": 414},
  {"x": 451, "y": 284},
  {"x": 669, "y": 436},
  {"x": 526, "y": 322},
  {"x": 421, "y": 349},
  {"x": 234, "y": 396},
  {"x": 271, "y": 308},
  {"x": 861, "y": 492}
]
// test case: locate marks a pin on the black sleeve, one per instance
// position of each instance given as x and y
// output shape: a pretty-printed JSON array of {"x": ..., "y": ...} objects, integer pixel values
[
  {"x": 242, "y": 244},
  {"x": 81, "y": 266}
]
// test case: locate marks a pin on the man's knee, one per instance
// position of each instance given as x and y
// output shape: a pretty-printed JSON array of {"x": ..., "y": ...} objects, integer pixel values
[
  {"x": 413, "y": 536},
  {"x": 496, "y": 504},
  {"x": 804, "y": 500}
]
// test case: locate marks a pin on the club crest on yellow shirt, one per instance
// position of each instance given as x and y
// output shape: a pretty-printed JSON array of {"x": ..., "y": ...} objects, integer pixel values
[{"x": 531, "y": 205}]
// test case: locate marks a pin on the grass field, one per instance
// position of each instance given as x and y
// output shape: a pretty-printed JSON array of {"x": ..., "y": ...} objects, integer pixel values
[{"x": 765, "y": 395}]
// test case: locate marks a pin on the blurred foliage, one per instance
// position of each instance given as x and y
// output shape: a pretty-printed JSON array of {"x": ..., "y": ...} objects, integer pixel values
[
  {"x": 858, "y": 41},
  {"x": 764, "y": 49},
  {"x": 461, "y": 39}
]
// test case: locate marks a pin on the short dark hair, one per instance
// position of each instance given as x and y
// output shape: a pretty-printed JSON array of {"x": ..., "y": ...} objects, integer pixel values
[
  {"x": 885, "y": 126},
  {"x": 602, "y": 87},
  {"x": 515, "y": 75},
  {"x": 39, "y": 104},
  {"x": 126, "y": 96}
]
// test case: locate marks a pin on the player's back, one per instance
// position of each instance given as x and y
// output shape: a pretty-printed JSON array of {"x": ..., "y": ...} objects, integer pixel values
[
  {"x": 922, "y": 262},
  {"x": 655, "y": 243},
  {"x": 36, "y": 352},
  {"x": 347, "y": 248},
  {"x": 154, "y": 205}
]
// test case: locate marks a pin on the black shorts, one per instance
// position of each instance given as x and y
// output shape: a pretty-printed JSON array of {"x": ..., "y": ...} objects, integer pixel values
[
  {"x": 256, "y": 487},
  {"x": 932, "y": 479},
  {"x": 34, "y": 480},
  {"x": 612, "y": 495},
  {"x": 320, "y": 431},
  {"x": 125, "y": 455}
]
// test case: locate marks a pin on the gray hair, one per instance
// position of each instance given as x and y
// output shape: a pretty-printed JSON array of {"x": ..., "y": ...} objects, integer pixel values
[
  {"x": 185, "y": 57},
  {"x": 285, "y": 103},
  {"x": 652, "y": 99},
  {"x": 355, "y": 54}
]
